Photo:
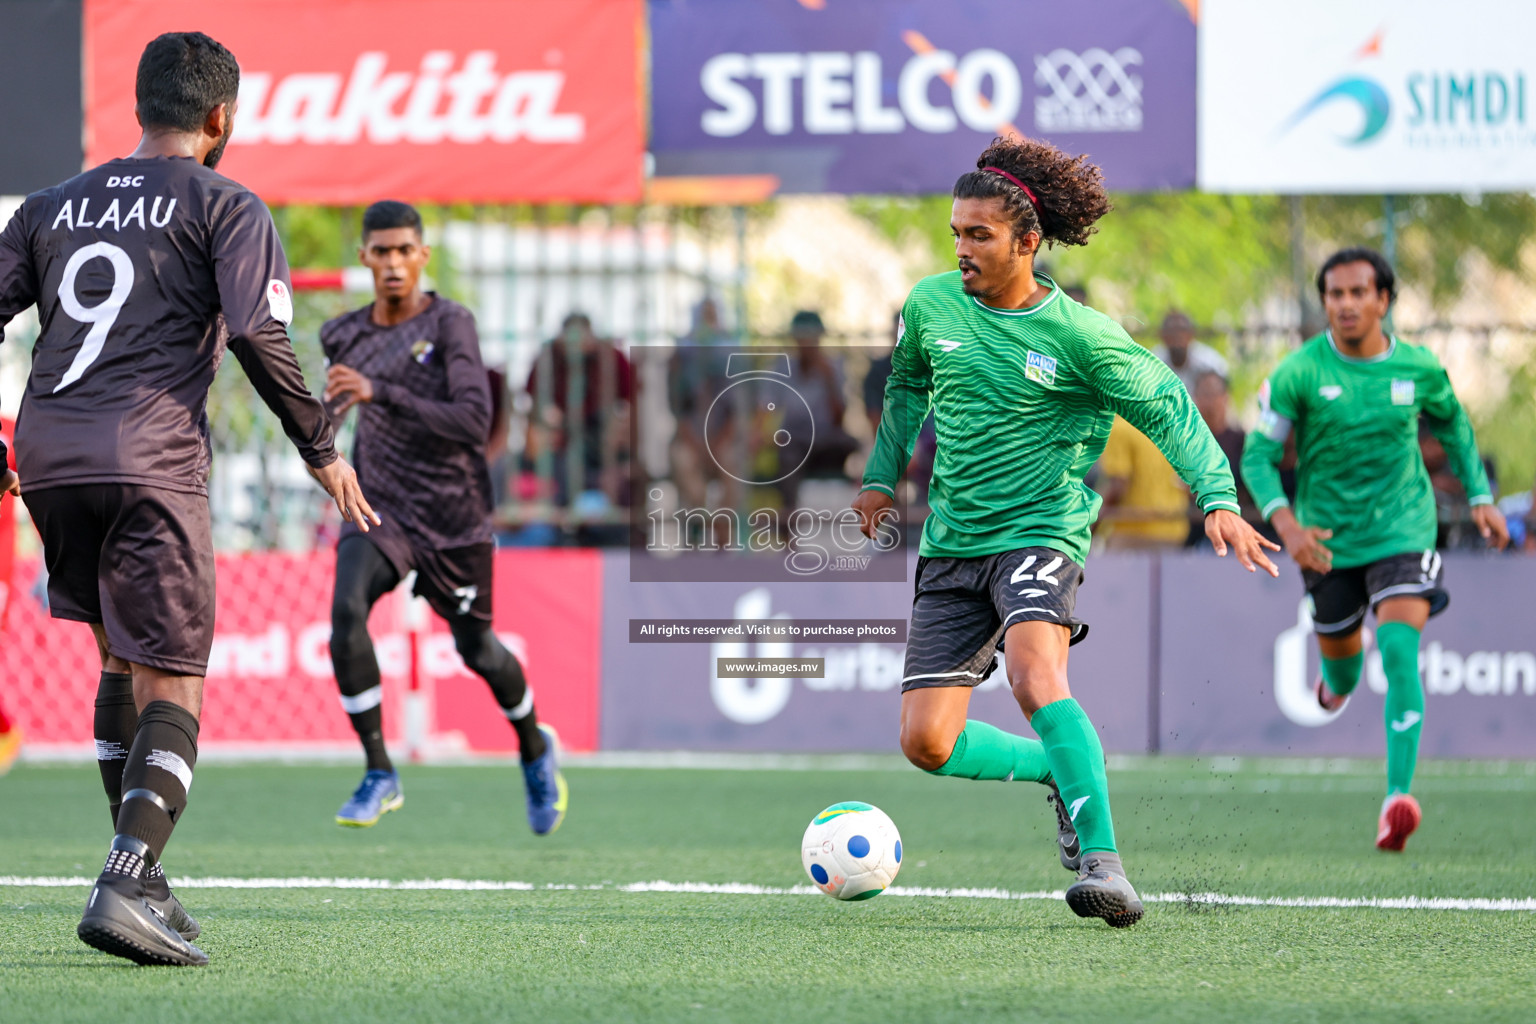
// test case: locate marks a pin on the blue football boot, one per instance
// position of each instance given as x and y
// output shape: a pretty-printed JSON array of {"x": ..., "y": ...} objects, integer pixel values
[
  {"x": 377, "y": 795},
  {"x": 547, "y": 794}
]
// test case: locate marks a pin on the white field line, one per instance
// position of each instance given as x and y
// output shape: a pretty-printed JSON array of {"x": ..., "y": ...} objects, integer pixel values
[{"x": 1213, "y": 899}]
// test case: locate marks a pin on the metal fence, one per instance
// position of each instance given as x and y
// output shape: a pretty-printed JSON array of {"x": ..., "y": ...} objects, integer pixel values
[{"x": 564, "y": 297}]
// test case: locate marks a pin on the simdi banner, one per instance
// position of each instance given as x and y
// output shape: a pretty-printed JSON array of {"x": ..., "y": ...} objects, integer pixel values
[
  {"x": 348, "y": 101},
  {"x": 903, "y": 95},
  {"x": 1367, "y": 96}
]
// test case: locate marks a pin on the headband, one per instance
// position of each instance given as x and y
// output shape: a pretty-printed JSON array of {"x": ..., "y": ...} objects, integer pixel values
[{"x": 1027, "y": 193}]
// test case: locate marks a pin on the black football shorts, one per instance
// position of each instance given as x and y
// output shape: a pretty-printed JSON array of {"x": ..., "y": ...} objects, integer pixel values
[
  {"x": 1340, "y": 598},
  {"x": 964, "y": 606},
  {"x": 456, "y": 582},
  {"x": 136, "y": 559}
]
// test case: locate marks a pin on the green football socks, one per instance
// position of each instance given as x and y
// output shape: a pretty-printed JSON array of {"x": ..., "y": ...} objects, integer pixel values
[
  {"x": 983, "y": 751},
  {"x": 1077, "y": 764},
  {"x": 1342, "y": 675},
  {"x": 1399, "y": 643}
]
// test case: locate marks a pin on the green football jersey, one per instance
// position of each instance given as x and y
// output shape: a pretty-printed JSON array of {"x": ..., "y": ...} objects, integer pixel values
[
  {"x": 1358, "y": 471},
  {"x": 1023, "y": 400}
]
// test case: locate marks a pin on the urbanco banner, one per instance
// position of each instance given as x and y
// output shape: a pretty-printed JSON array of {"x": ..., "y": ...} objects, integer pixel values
[
  {"x": 902, "y": 95},
  {"x": 674, "y": 696},
  {"x": 1238, "y": 661},
  {"x": 347, "y": 101},
  {"x": 1367, "y": 96}
]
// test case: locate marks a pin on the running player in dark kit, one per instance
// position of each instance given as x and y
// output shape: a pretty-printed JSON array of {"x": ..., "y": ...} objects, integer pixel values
[
  {"x": 410, "y": 362},
  {"x": 142, "y": 270}
]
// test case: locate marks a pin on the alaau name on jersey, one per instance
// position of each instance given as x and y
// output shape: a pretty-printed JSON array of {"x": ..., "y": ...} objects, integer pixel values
[
  {"x": 143, "y": 271},
  {"x": 1023, "y": 401},
  {"x": 1359, "y": 471}
]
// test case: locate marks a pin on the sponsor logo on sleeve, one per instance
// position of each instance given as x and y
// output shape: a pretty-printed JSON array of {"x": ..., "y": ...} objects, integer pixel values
[{"x": 279, "y": 301}]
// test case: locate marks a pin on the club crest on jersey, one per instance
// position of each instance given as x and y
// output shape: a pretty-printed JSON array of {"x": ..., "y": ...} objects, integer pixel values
[
  {"x": 421, "y": 351},
  {"x": 279, "y": 301},
  {"x": 1402, "y": 392},
  {"x": 1040, "y": 368}
]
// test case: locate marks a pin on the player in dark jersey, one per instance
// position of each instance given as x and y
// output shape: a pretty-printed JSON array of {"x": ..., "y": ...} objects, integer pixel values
[
  {"x": 143, "y": 270},
  {"x": 410, "y": 362}
]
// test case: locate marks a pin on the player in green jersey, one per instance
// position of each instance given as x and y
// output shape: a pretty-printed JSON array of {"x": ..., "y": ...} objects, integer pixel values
[
  {"x": 1024, "y": 384},
  {"x": 1353, "y": 397}
]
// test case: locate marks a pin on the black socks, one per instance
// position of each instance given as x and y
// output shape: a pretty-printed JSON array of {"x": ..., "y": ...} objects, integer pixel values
[
  {"x": 116, "y": 722},
  {"x": 157, "y": 777}
]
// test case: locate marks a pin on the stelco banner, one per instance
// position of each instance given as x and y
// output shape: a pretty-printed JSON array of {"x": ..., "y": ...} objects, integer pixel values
[
  {"x": 903, "y": 95},
  {"x": 347, "y": 101},
  {"x": 1368, "y": 96}
]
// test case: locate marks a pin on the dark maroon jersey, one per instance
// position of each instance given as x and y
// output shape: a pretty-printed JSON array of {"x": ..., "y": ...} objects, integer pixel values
[
  {"x": 420, "y": 452},
  {"x": 142, "y": 272}
]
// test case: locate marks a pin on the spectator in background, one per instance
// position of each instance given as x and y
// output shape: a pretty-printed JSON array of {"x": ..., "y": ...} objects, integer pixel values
[
  {"x": 696, "y": 376},
  {"x": 603, "y": 386},
  {"x": 817, "y": 442},
  {"x": 1184, "y": 355},
  {"x": 1145, "y": 503},
  {"x": 1215, "y": 405}
]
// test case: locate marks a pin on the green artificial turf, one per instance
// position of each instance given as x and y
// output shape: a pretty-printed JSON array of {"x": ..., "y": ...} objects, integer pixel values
[{"x": 339, "y": 955}]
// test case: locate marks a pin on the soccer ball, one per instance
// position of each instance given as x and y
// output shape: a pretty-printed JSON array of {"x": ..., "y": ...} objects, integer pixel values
[{"x": 851, "y": 850}]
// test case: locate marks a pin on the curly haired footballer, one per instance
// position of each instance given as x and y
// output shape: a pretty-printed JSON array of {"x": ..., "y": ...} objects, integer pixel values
[
  {"x": 1024, "y": 384},
  {"x": 1043, "y": 189}
]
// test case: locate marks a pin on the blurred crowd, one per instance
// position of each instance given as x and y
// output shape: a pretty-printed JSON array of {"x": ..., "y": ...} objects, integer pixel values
[{"x": 567, "y": 459}]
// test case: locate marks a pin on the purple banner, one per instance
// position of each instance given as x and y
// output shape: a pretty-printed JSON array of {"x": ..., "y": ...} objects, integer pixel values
[
  {"x": 667, "y": 696},
  {"x": 1238, "y": 660},
  {"x": 901, "y": 96}
]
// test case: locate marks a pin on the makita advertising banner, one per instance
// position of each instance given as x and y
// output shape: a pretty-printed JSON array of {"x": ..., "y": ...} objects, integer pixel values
[
  {"x": 903, "y": 95},
  {"x": 1238, "y": 660},
  {"x": 1367, "y": 96},
  {"x": 685, "y": 694},
  {"x": 348, "y": 101}
]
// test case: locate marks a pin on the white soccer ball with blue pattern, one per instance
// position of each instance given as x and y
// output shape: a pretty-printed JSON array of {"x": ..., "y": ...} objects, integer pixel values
[{"x": 852, "y": 851}]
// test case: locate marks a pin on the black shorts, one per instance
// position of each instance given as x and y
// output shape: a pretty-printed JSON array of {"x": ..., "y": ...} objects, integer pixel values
[
  {"x": 1340, "y": 598},
  {"x": 963, "y": 606},
  {"x": 136, "y": 559},
  {"x": 456, "y": 582}
]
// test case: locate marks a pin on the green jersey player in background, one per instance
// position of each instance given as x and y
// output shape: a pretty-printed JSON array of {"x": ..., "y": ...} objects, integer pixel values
[
  {"x": 1024, "y": 384},
  {"x": 1353, "y": 396}
]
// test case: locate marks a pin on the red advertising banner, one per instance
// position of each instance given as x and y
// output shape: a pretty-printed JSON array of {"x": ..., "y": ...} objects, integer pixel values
[
  {"x": 270, "y": 684},
  {"x": 7, "y": 527},
  {"x": 348, "y": 101}
]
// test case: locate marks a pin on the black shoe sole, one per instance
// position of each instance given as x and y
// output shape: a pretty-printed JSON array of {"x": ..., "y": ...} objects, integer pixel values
[
  {"x": 1112, "y": 906},
  {"x": 103, "y": 936}
]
